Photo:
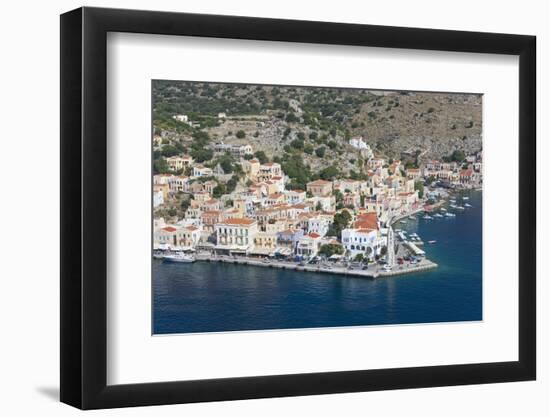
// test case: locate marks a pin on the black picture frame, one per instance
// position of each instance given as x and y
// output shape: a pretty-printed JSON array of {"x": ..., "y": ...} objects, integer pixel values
[{"x": 84, "y": 207}]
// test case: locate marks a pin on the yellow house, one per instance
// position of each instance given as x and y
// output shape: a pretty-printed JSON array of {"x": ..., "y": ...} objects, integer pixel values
[
  {"x": 265, "y": 243},
  {"x": 236, "y": 235},
  {"x": 251, "y": 168},
  {"x": 179, "y": 162},
  {"x": 320, "y": 188}
]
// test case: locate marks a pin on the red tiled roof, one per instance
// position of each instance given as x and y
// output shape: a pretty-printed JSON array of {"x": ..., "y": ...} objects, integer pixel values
[
  {"x": 237, "y": 222},
  {"x": 367, "y": 221},
  {"x": 169, "y": 229}
]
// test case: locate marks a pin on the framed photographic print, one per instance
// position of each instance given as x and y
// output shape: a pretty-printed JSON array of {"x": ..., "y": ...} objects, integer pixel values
[{"x": 258, "y": 208}]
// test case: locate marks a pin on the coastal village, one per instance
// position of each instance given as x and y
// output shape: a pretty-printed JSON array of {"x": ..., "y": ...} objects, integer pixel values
[{"x": 246, "y": 209}]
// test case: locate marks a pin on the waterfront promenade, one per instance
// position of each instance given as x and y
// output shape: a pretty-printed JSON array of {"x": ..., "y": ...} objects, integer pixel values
[{"x": 373, "y": 271}]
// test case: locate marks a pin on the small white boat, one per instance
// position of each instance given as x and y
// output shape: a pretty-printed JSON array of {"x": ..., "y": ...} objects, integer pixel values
[
  {"x": 450, "y": 215},
  {"x": 438, "y": 215},
  {"x": 459, "y": 208},
  {"x": 431, "y": 242},
  {"x": 454, "y": 206},
  {"x": 443, "y": 209},
  {"x": 180, "y": 258},
  {"x": 465, "y": 198},
  {"x": 467, "y": 205},
  {"x": 411, "y": 217},
  {"x": 427, "y": 217},
  {"x": 403, "y": 221}
]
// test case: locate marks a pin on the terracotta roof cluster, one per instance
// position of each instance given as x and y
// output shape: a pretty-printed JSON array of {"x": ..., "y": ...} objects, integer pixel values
[{"x": 367, "y": 221}]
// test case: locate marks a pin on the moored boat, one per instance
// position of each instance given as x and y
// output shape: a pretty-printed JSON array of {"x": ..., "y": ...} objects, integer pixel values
[{"x": 179, "y": 257}]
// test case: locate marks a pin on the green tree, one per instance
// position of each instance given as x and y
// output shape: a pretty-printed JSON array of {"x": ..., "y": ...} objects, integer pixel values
[
  {"x": 291, "y": 118},
  {"x": 419, "y": 186},
  {"x": 160, "y": 166},
  {"x": 226, "y": 162},
  {"x": 458, "y": 155},
  {"x": 202, "y": 154},
  {"x": 297, "y": 171},
  {"x": 359, "y": 257},
  {"x": 308, "y": 148},
  {"x": 330, "y": 249},
  {"x": 297, "y": 144},
  {"x": 169, "y": 150},
  {"x": 332, "y": 144},
  {"x": 219, "y": 190},
  {"x": 232, "y": 183},
  {"x": 341, "y": 221},
  {"x": 320, "y": 152},
  {"x": 241, "y": 134},
  {"x": 329, "y": 173},
  {"x": 262, "y": 157}
]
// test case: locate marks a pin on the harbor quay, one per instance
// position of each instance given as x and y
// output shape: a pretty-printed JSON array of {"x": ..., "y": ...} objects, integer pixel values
[{"x": 372, "y": 271}]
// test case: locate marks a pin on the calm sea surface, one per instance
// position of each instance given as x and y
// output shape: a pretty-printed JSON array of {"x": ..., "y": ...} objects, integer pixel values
[{"x": 214, "y": 297}]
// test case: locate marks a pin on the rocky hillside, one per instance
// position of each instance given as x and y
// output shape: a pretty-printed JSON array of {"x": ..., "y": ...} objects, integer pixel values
[{"x": 318, "y": 122}]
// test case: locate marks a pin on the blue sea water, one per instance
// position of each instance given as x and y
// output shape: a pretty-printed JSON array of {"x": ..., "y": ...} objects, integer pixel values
[{"x": 216, "y": 297}]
